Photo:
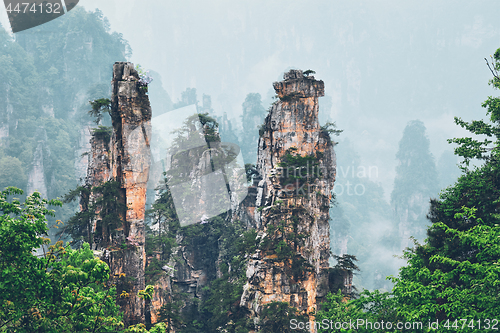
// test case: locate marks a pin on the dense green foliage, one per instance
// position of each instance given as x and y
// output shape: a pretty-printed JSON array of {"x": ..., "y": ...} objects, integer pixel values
[
  {"x": 104, "y": 209},
  {"x": 436, "y": 287},
  {"x": 276, "y": 317},
  {"x": 48, "y": 73},
  {"x": 53, "y": 289},
  {"x": 299, "y": 169},
  {"x": 451, "y": 282},
  {"x": 220, "y": 301},
  {"x": 60, "y": 290},
  {"x": 339, "y": 315}
]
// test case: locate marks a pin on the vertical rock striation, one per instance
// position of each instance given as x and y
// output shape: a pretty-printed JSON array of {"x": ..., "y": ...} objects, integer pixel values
[
  {"x": 203, "y": 180},
  {"x": 296, "y": 163},
  {"x": 288, "y": 204},
  {"x": 131, "y": 158},
  {"x": 36, "y": 176},
  {"x": 123, "y": 157}
]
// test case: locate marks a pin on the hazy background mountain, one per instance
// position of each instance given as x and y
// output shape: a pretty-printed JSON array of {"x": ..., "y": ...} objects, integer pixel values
[{"x": 384, "y": 63}]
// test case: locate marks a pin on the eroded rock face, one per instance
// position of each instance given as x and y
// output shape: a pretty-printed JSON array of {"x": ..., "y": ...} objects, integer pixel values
[
  {"x": 99, "y": 165},
  {"x": 131, "y": 158},
  {"x": 36, "y": 177},
  {"x": 296, "y": 163},
  {"x": 202, "y": 178},
  {"x": 288, "y": 203},
  {"x": 123, "y": 156}
]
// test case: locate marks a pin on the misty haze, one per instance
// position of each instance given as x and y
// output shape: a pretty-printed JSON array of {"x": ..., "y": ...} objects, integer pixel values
[{"x": 233, "y": 166}]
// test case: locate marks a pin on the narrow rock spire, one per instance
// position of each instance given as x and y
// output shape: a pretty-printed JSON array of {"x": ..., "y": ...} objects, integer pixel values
[
  {"x": 123, "y": 158},
  {"x": 296, "y": 163}
]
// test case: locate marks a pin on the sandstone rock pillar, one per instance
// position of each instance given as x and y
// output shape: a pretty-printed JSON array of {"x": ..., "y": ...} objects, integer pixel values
[
  {"x": 131, "y": 159},
  {"x": 118, "y": 168},
  {"x": 296, "y": 163}
]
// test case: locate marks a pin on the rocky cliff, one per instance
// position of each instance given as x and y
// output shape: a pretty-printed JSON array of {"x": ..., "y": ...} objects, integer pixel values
[
  {"x": 205, "y": 206},
  {"x": 296, "y": 164},
  {"x": 203, "y": 180},
  {"x": 119, "y": 163}
]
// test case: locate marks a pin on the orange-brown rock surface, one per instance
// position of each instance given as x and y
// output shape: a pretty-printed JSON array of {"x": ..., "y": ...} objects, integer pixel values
[
  {"x": 131, "y": 158},
  {"x": 124, "y": 157},
  {"x": 296, "y": 163},
  {"x": 287, "y": 205}
]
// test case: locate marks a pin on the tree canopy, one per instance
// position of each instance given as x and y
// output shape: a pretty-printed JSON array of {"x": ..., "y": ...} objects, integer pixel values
[{"x": 451, "y": 281}]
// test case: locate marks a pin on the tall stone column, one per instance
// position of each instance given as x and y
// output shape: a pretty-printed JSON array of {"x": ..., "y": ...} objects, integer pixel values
[
  {"x": 130, "y": 162},
  {"x": 121, "y": 158},
  {"x": 296, "y": 163}
]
